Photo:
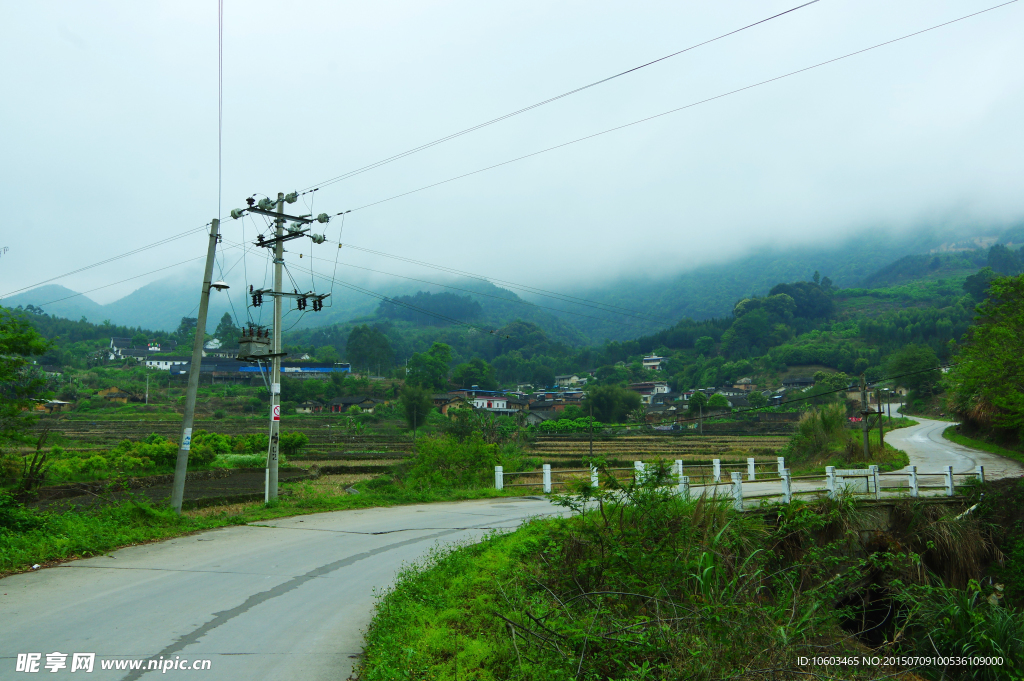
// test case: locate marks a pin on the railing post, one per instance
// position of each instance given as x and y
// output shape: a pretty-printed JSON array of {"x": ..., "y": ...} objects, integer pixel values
[
  {"x": 914, "y": 489},
  {"x": 750, "y": 468},
  {"x": 830, "y": 481},
  {"x": 980, "y": 472},
  {"x": 547, "y": 478},
  {"x": 499, "y": 477},
  {"x": 679, "y": 468},
  {"x": 684, "y": 486},
  {"x": 716, "y": 469},
  {"x": 949, "y": 481},
  {"x": 781, "y": 461},
  {"x": 787, "y": 486},
  {"x": 639, "y": 472},
  {"x": 737, "y": 490},
  {"x": 593, "y": 476},
  {"x": 875, "y": 480}
]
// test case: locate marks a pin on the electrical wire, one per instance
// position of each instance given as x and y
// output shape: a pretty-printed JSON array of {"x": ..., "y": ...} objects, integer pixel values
[
  {"x": 681, "y": 108},
  {"x": 109, "y": 260},
  {"x": 422, "y": 147},
  {"x": 490, "y": 295},
  {"x": 564, "y": 297}
]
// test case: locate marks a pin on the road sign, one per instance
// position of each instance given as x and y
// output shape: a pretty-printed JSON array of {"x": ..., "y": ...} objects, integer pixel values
[{"x": 277, "y": 412}]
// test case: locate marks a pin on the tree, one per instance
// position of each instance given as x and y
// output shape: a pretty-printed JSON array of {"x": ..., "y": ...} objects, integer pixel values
[
  {"x": 987, "y": 381},
  {"x": 416, "y": 405},
  {"x": 915, "y": 367},
  {"x": 718, "y": 401},
  {"x": 430, "y": 369},
  {"x": 705, "y": 345},
  {"x": 139, "y": 340},
  {"x": 475, "y": 372},
  {"x": 757, "y": 399},
  {"x": 20, "y": 383},
  {"x": 327, "y": 354},
  {"x": 227, "y": 332},
  {"x": 368, "y": 347},
  {"x": 1004, "y": 261},
  {"x": 611, "y": 403},
  {"x": 831, "y": 380},
  {"x": 978, "y": 283},
  {"x": 698, "y": 401}
]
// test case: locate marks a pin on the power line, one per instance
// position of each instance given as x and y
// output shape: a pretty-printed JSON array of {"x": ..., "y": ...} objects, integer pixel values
[
  {"x": 108, "y": 260},
  {"x": 472, "y": 292},
  {"x": 681, "y": 108},
  {"x": 564, "y": 297},
  {"x": 422, "y": 147}
]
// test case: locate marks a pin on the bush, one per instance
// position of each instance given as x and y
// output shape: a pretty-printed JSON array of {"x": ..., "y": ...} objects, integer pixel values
[
  {"x": 219, "y": 414},
  {"x": 447, "y": 463}
]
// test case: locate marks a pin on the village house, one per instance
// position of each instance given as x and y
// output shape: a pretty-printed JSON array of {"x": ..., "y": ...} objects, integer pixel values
[
  {"x": 165, "y": 362},
  {"x": 569, "y": 381},
  {"x": 648, "y": 389},
  {"x": 310, "y": 407},
  {"x": 115, "y": 394},
  {"x": 798, "y": 382},
  {"x": 342, "y": 404},
  {"x": 654, "y": 363}
]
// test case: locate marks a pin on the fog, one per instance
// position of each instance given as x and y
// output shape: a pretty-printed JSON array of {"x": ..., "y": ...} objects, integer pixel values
[{"x": 110, "y": 132}]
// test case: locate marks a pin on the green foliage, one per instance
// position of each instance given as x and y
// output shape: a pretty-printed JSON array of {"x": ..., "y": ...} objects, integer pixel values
[
  {"x": 977, "y": 284},
  {"x": 289, "y": 444},
  {"x": 583, "y": 424},
  {"x": 416, "y": 405},
  {"x": 476, "y": 372},
  {"x": 446, "y": 463},
  {"x": 611, "y": 403},
  {"x": 368, "y": 347},
  {"x": 430, "y": 369},
  {"x": 444, "y": 306},
  {"x": 915, "y": 367},
  {"x": 20, "y": 382},
  {"x": 832, "y": 380},
  {"x": 987, "y": 383},
  {"x": 718, "y": 401},
  {"x": 757, "y": 399}
]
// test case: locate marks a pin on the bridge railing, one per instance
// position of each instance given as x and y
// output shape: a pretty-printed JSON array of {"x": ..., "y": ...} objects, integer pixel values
[{"x": 864, "y": 481}]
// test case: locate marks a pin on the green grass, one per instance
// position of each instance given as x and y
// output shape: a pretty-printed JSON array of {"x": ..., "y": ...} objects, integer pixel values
[
  {"x": 953, "y": 436},
  {"x": 662, "y": 588}
]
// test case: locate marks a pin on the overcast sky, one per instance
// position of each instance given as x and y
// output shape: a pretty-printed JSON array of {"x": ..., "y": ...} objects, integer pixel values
[{"x": 109, "y": 127}]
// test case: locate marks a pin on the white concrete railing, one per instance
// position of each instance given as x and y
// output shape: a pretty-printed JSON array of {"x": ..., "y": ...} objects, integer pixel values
[{"x": 866, "y": 481}]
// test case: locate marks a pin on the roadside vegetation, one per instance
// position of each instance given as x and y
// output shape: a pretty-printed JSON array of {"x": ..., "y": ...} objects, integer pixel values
[{"x": 641, "y": 584}]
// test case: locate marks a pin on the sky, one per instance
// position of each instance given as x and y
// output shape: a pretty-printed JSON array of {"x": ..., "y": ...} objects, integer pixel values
[{"x": 110, "y": 132}]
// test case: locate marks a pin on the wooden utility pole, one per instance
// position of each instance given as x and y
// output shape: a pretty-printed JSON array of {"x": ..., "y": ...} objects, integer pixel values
[{"x": 185, "y": 443}]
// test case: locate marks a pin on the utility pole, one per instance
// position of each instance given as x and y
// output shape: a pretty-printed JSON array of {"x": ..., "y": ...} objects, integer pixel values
[
  {"x": 881, "y": 424},
  {"x": 275, "y": 370},
  {"x": 147, "y": 388},
  {"x": 181, "y": 466},
  {"x": 275, "y": 210},
  {"x": 591, "y": 431},
  {"x": 864, "y": 416}
]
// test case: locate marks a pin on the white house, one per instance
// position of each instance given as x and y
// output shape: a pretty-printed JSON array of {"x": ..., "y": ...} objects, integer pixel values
[
  {"x": 654, "y": 363},
  {"x": 165, "y": 363}
]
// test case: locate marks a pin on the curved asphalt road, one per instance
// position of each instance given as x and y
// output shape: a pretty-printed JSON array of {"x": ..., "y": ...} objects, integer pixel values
[{"x": 285, "y": 599}]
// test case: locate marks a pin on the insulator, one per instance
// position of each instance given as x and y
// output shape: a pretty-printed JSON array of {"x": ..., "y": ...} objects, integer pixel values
[
  {"x": 318, "y": 238},
  {"x": 250, "y": 288},
  {"x": 255, "y": 300},
  {"x": 265, "y": 203},
  {"x": 323, "y": 218},
  {"x": 236, "y": 213},
  {"x": 292, "y": 198}
]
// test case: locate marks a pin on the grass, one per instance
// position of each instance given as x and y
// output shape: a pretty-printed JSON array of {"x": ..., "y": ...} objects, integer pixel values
[
  {"x": 953, "y": 436},
  {"x": 663, "y": 588}
]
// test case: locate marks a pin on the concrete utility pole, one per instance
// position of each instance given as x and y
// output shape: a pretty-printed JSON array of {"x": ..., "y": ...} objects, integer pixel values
[
  {"x": 181, "y": 466},
  {"x": 864, "y": 416},
  {"x": 275, "y": 367},
  {"x": 275, "y": 210},
  {"x": 881, "y": 424}
]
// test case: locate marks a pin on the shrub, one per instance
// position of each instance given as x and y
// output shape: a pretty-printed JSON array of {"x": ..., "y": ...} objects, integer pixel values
[
  {"x": 446, "y": 463},
  {"x": 219, "y": 414}
]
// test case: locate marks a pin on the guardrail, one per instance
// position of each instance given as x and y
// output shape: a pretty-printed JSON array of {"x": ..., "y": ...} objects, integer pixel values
[{"x": 864, "y": 481}]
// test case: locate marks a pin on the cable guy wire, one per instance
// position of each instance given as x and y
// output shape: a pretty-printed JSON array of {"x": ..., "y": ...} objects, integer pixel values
[
  {"x": 485, "y": 124},
  {"x": 682, "y": 108}
]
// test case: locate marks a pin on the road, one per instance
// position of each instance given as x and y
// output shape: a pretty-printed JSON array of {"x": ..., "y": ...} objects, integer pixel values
[
  {"x": 930, "y": 452},
  {"x": 285, "y": 599}
]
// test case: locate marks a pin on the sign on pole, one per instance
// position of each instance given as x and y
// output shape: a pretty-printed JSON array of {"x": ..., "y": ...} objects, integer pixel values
[{"x": 277, "y": 412}]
